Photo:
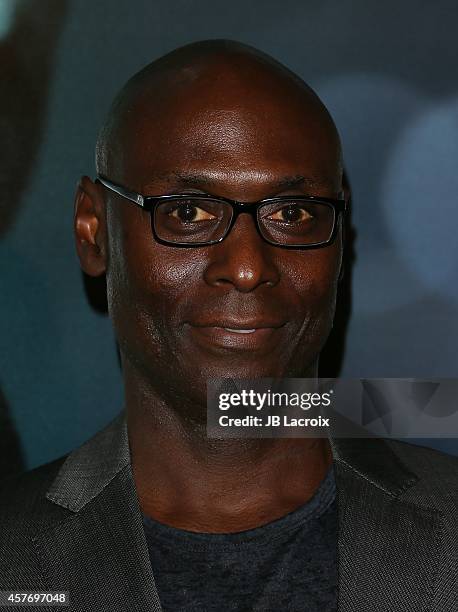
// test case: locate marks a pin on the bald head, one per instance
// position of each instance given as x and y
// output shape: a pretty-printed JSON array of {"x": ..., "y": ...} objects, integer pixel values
[{"x": 212, "y": 95}]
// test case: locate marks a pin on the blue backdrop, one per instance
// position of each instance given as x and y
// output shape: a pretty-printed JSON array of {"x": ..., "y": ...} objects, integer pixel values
[{"x": 387, "y": 72}]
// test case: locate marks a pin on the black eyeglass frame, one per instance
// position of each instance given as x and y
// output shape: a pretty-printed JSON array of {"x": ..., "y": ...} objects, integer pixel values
[{"x": 147, "y": 203}]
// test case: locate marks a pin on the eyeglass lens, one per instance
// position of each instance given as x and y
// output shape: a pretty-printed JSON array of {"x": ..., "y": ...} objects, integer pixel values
[{"x": 203, "y": 220}]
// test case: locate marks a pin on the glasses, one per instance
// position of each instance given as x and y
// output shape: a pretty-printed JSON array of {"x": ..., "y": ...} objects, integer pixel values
[{"x": 191, "y": 220}]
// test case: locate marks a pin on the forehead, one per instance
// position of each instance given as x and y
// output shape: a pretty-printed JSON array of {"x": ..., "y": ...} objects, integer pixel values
[{"x": 230, "y": 132}]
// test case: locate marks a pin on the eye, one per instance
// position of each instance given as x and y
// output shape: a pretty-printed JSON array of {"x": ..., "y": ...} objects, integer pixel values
[
  {"x": 292, "y": 213},
  {"x": 188, "y": 212}
]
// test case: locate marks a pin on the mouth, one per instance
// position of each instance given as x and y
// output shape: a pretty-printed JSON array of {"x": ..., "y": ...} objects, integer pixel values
[{"x": 246, "y": 336}]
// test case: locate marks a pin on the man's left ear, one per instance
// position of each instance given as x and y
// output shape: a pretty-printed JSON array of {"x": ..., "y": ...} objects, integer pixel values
[
  {"x": 90, "y": 227},
  {"x": 345, "y": 195}
]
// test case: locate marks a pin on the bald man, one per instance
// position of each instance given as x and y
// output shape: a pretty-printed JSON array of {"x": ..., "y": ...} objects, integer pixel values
[{"x": 217, "y": 217}]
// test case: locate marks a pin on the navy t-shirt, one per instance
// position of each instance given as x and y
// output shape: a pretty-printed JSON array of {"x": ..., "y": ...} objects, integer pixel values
[{"x": 289, "y": 564}]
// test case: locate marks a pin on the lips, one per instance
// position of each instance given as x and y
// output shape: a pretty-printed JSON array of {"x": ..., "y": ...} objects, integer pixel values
[
  {"x": 239, "y": 325},
  {"x": 236, "y": 335}
]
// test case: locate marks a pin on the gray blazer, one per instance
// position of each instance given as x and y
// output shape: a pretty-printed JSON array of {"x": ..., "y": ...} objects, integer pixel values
[{"x": 75, "y": 525}]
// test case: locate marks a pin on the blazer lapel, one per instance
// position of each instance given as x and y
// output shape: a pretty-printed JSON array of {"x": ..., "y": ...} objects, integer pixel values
[
  {"x": 388, "y": 549},
  {"x": 99, "y": 552}
]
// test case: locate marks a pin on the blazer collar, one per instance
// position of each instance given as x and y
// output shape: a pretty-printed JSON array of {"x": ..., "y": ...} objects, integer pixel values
[
  {"x": 374, "y": 460},
  {"x": 90, "y": 468}
]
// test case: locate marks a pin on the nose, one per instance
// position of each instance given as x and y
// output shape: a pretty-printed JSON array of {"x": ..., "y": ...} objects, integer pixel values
[{"x": 243, "y": 259}]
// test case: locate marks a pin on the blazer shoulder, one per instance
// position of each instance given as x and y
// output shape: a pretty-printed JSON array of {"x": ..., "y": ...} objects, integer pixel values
[
  {"x": 23, "y": 497},
  {"x": 437, "y": 471},
  {"x": 425, "y": 459}
]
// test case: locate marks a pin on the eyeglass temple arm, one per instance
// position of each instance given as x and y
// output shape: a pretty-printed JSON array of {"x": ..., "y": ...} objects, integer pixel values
[{"x": 125, "y": 193}]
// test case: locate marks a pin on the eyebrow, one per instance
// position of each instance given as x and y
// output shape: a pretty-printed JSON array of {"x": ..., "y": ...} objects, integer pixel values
[
  {"x": 290, "y": 182},
  {"x": 192, "y": 179}
]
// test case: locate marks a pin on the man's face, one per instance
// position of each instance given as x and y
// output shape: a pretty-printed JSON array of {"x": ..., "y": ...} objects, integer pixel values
[{"x": 172, "y": 307}]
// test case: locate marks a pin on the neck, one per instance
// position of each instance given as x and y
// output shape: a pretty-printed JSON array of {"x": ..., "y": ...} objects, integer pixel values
[{"x": 186, "y": 480}]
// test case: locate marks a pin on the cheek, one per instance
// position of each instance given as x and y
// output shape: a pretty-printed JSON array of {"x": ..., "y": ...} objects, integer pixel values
[
  {"x": 314, "y": 275},
  {"x": 147, "y": 283},
  {"x": 315, "y": 279}
]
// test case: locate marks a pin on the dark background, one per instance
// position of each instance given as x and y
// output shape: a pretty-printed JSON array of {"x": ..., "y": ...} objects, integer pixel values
[{"x": 387, "y": 72}]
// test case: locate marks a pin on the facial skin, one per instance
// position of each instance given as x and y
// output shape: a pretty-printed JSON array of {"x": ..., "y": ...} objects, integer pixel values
[{"x": 222, "y": 119}]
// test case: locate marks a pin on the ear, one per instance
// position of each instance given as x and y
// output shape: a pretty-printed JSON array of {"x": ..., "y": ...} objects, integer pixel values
[
  {"x": 90, "y": 227},
  {"x": 346, "y": 195}
]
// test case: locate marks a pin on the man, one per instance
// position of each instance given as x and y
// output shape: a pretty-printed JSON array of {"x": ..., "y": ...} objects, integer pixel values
[{"x": 235, "y": 276}]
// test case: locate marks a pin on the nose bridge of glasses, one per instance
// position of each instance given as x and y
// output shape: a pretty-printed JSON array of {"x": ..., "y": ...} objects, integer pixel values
[
  {"x": 232, "y": 209},
  {"x": 245, "y": 208}
]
